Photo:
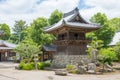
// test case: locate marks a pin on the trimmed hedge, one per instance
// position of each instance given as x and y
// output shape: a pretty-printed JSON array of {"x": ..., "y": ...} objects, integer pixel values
[
  {"x": 26, "y": 66},
  {"x": 31, "y": 65}
]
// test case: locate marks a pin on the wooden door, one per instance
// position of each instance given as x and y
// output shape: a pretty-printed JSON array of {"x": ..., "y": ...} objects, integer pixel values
[{"x": 0, "y": 56}]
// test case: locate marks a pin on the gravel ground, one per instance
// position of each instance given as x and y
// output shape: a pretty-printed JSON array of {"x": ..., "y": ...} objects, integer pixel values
[{"x": 12, "y": 74}]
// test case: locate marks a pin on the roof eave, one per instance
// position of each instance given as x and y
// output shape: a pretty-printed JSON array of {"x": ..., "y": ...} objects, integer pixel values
[
  {"x": 80, "y": 26},
  {"x": 51, "y": 29}
]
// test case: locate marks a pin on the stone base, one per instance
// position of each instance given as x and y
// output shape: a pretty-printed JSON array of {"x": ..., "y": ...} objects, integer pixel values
[
  {"x": 61, "y": 72},
  {"x": 60, "y": 61}
]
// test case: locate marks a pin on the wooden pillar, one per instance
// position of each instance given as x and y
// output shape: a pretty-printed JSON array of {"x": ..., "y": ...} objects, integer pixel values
[
  {"x": 43, "y": 56},
  {"x": 48, "y": 55},
  {"x": 68, "y": 37},
  {"x": 0, "y": 56},
  {"x": 6, "y": 55}
]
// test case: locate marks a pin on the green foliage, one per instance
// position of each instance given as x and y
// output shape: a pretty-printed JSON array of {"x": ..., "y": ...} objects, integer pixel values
[
  {"x": 47, "y": 63},
  {"x": 14, "y": 38},
  {"x": 5, "y": 28},
  {"x": 21, "y": 65},
  {"x": 115, "y": 23},
  {"x": 99, "y": 18},
  {"x": 31, "y": 65},
  {"x": 27, "y": 49},
  {"x": 55, "y": 17},
  {"x": 37, "y": 33},
  {"x": 106, "y": 56},
  {"x": 19, "y": 26},
  {"x": 20, "y": 33},
  {"x": 45, "y": 38},
  {"x": 95, "y": 44},
  {"x": 26, "y": 66},
  {"x": 40, "y": 65},
  {"x": 75, "y": 72},
  {"x": 106, "y": 32},
  {"x": 117, "y": 50},
  {"x": 91, "y": 36},
  {"x": 70, "y": 67}
]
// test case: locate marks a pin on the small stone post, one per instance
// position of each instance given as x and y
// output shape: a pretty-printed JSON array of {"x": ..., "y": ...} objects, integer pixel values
[
  {"x": 35, "y": 60},
  {"x": 94, "y": 55}
]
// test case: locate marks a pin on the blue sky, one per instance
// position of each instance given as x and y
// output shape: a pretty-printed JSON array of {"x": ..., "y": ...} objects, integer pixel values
[
  {"x": 28, "y": 10},
  {"x": 82, "y": 5}
]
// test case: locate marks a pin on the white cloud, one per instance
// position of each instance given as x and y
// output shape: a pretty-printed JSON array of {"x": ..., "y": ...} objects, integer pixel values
[
  {"x": 11, "y": 10},
  {"x": 87, "y": 13},
  {"x": 106, "y": 4},
  {"x": 16, "y": 6},
  {"x": 110, "y": 7}
]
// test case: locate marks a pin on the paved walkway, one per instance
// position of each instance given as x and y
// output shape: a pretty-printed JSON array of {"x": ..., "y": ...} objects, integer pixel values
[
  {"x": 12, "y": 74},
  {"x": 8, "y": 72},
  {"x": 7, "y": 65}
]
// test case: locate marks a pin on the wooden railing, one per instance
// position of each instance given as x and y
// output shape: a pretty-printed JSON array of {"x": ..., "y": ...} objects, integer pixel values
[{"x": 65, "y": 42}]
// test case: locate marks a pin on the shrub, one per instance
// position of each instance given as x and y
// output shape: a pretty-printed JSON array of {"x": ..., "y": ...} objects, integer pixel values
[
  {"x": 106, "y": 56},
  {"x": 69, "y": 67},
  {"x": 75, "y": 71},
  {"x": 26, "y": 66},
  {"x": 21, "y": 65},
  {"x": 40, "y": 65},
  {"x": 30, "y": 66},
  {"x": 47, "y": 63},
  {"x": 117, "y": 50}
]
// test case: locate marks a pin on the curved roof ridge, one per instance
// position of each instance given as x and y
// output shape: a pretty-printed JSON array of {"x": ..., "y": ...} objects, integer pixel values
[
  {"x": 74, "y": 12},
  {"x": 7, "y": 44},
  {"x": 73, "y": 17},
  {"x": 70, "y": 12}
]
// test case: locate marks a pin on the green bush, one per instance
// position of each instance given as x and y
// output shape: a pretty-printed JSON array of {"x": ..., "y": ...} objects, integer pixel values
[
  {"x": 106, "y": 56},
  {"x": 21, "y": 65},
  {"x": 40, "y": 65},
  {"x": 47, "y": 63},
  {"x": 69, "y": 67},
  {"x": 30, "y": 66},
  {"x": 26, "y": 66},
  {"x": 117, "y": 51},
  {"x": 75, "y": 72}
]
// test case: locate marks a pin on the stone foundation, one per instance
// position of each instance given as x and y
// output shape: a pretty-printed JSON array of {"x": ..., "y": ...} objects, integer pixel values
[{"x": 60, "y": 61}]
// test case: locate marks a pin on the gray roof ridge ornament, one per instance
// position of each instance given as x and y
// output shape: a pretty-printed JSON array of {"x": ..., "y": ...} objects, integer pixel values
[
  {"x": 76, "y": 10},
  {"x": 1, "y": 32},
  {"x": 63, "y": 21}
]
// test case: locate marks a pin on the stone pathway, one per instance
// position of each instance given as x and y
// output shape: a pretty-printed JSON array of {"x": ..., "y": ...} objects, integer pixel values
[
  {"x": 8, "y": 65},
  {"x": 12, "y": 74},
  {"x": 8, "y": 72}
]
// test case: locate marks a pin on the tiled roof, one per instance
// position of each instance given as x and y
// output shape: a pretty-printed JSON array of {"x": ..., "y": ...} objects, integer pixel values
[
  {"x": 4, "y": 48},
  {"x": 66, "y": 21},
  {"x": 49, "y": 47},
  {"x": 8, "y": 44},
  {"x": 116, "y": 38}
]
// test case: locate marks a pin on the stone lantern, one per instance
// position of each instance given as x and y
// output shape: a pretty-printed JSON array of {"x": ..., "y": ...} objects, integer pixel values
[{"x": 36, "y": 60}]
